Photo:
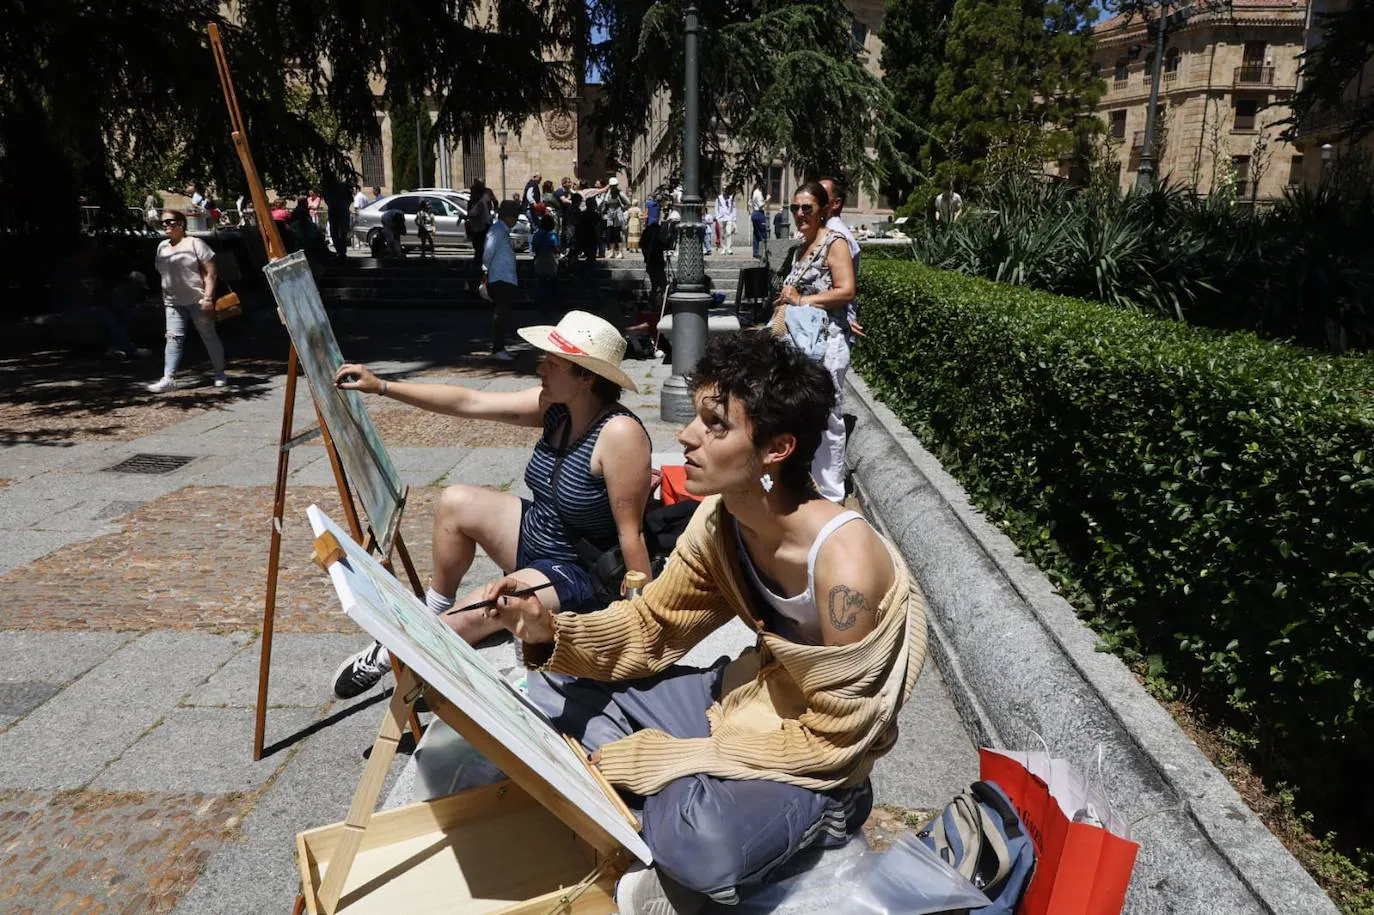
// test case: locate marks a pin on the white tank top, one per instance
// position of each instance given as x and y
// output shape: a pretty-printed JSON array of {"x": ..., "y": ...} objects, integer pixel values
[{"x": 800, "y": 614}]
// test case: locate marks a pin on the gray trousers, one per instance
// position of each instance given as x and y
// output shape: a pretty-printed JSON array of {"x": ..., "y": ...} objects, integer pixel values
[{"x": 709, "y": 834}]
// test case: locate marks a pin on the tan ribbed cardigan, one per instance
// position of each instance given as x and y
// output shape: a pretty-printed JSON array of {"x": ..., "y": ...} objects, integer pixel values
[{"x": 813, "y": 716}]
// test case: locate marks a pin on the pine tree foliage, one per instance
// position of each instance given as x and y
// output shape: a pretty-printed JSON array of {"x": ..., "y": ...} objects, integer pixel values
[
  {"x": 913, "y": 35},
  {"x": 778, "y": 77},
  {"x": 109, "y": 100},
  {"x": 1016, "y": 89},
  {"x": 1331, "y": 70}
]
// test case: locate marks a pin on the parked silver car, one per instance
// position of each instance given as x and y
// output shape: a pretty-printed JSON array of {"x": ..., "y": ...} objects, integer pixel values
[{"x": 449, "y": 211}]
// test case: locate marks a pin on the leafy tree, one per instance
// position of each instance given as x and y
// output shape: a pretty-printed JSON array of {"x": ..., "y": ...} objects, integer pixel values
[
  {"x": 1015, "y": 90},
  {"x": 1332, "y": 67},
  {"x": 913, "y": 35},
  {"x": 778, "y": 77},
  {"x": 112, "y": 100},
  {"x": 408, "y": 154}
]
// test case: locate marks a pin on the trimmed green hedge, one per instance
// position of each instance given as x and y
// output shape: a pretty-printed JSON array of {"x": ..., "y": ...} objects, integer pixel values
[{"x": 1206, "y": 500}]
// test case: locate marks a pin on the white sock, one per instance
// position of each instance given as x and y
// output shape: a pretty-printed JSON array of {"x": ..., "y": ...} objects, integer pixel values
[{"x": 437, "y": 602}]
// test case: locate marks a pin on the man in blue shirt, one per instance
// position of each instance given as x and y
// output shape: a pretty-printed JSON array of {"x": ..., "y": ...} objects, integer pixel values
[
  {"x": 651, "y": 208},
  {"x": 499, "y": 281}
]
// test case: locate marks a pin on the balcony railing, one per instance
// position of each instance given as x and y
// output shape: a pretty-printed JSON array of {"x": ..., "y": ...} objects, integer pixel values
[
  {"x": 1170, "y": 76},
  {"x": 1254, "y": 75}
]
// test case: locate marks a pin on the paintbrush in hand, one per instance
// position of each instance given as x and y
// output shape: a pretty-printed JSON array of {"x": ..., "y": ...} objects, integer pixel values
[{"x": 482, "y": 604}]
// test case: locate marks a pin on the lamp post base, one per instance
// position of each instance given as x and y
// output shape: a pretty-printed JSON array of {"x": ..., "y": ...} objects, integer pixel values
[{"x": 689, "y": 342}]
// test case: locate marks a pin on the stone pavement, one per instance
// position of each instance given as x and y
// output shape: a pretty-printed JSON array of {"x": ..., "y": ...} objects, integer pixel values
[{"x": 130, "y": 606}]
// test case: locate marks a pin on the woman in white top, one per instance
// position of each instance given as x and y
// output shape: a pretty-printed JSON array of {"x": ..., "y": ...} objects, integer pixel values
[
  {"x": 726, "y": 218},
  {"x": 187, "y": 267}
]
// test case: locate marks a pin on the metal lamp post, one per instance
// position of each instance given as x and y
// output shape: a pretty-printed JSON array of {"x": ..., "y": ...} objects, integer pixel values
[
  {"x": 690, "y": 301},
  {"x": 1145, "y": 174},
  {"x": 502, "y": 136}
]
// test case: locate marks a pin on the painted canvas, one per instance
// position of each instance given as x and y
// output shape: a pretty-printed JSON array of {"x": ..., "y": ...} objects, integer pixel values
[
  {"x": 364, "y": 457},
  {"x": 399, "y": 620}
]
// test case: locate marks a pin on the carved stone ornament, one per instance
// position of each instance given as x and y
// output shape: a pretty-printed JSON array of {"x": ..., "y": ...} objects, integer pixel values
[{"x": 560, "y": 127}]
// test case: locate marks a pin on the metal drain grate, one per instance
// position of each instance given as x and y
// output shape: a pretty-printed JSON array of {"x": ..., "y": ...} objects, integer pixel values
[{"x": 152, "y": 463}]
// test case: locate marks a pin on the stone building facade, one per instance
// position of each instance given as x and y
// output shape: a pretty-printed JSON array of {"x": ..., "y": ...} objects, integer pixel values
[
  {"x": 1225, "y": 82},
  {"x": 1319, "y": 137}
]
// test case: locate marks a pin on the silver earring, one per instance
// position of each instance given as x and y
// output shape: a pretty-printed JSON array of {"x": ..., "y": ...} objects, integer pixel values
[{"x": 767, "y": 481}]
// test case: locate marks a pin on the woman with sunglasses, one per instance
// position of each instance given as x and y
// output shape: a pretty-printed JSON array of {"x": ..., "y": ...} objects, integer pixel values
[
  {"x": 822, "y": 276},
  {"x": 187, "y": 267}
]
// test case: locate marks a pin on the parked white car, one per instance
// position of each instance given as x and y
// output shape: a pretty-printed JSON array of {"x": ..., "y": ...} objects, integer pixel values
[{"x": 449, "y": 211}]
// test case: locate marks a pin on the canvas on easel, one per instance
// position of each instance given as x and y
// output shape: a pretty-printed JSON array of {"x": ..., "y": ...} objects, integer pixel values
[
  {"x": 360, "y": 447},
  {"x": 378, "y": 473},
  {"x": 509, "y": 847}
]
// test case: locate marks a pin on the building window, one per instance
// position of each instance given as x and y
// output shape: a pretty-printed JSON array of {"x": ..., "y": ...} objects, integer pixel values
[
  {"x": 1119, "y": 125},
  {"x": 1149, "y": 68},
  {"x": 1171, "y": 59},
  {"x": 772, "y": 183},
  {"x": 1241, "y": 166},
  {"x": 1246, "y": 109},
  {"x": 860, "y": 32},
  {"x": 474, "y": 157},
  {"x": 1254, "y": 52},
  {"x": 1295, "y": 171},
  {"x": 373, "y": 169},
  {"x": 1122, "y": 72}
]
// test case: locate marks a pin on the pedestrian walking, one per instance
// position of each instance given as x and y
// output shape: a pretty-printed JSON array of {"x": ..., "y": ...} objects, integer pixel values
[
  {"x": 531, "y": 196},
  {"x": 480, "y": 215},
  {"x": 708, "y": 235},
  {"x": 544, "y": 246},
  {"x": 187, "y": 267},
  {"x": 424, "y": 228},
  {"x": 634, "y": 225},
  {"x": 338, "y": 201},
  {"x": 838, "y": 189},
  {"x": 393, "y": 228},
  {"x": 314, "y": 202},
  {"x": 780, "y": 223},
  {"x": 725, "y": 219},
  {"x": 822, "y": 277},
  {"x": 360, "y": 203},
  {"x": 758, "y": 219},
  {"x": 613, "y": 207},
  {"x": 500, "y": 283}
]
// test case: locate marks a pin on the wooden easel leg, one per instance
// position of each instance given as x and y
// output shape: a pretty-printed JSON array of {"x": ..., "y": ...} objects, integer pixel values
[
  {"x": 369, "y": 788},
  {"x": 269, "y": 611},
  {"x": 409, "y": 566},
  {"x": 299, "y": 907}
]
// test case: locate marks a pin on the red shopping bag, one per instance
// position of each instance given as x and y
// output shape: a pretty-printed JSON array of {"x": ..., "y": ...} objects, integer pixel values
[{"x": 1080, "y": 868}]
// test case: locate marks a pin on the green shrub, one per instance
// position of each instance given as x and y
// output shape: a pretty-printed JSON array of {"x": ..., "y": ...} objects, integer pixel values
[
  {"x": 1300, "y": 269},
  {"x": 1206, "y": 500}
]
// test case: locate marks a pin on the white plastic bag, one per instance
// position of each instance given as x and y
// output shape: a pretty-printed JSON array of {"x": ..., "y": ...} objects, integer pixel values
[{"x": 906, "y": 879}]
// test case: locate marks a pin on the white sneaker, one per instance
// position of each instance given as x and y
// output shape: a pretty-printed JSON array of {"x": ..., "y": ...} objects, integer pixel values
[
  {"x": 642, "y": 891},
  {"x": 221, "y": 380},
  {"x": 502, "y": 356},
  {"x": 163, "y": 385}
]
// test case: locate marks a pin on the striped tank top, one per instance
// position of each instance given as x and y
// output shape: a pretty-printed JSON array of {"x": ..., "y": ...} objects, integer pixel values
[{"x": 582, "y": 497}]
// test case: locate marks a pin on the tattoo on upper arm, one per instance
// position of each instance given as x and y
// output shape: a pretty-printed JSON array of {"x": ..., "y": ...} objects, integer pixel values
[{"x": 845, "y": 606}]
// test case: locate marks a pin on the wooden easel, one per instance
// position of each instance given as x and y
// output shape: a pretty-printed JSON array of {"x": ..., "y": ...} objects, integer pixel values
[
  {"x": 272, "y": 243},
  {"x": 341, "y": 843}
]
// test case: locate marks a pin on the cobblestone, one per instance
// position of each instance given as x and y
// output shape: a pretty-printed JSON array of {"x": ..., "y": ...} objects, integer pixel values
[
  {"x": 107, "y": 852},
  {"x": 196, "y": 558}
]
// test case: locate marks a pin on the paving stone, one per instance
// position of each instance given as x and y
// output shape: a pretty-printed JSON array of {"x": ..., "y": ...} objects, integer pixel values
[
  {"x": 38, "y": 664},
  {"x": 25, "y": 546},
  {"x": 105, "y": 852},
  {"x": 207, "y": 750},
  {"x": 302, "y": 664},
  {"x": 256, "y": 870},
  {"x": 496, "y": 467},
  {"x": 71, "y": 738},
  {"x": 933, "y": 759}
]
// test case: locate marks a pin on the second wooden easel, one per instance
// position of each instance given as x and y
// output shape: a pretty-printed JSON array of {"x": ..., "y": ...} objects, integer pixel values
[{"x": 272, "y": 243}]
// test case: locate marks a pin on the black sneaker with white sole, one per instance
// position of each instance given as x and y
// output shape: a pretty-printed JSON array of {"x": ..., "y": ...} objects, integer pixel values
[{"x": 362, "y": 671}]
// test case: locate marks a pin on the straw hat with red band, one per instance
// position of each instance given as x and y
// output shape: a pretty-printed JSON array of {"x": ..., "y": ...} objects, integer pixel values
[{"x": 586, "y": 340}]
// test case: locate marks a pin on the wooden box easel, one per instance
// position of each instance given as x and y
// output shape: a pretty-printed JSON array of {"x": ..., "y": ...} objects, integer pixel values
[{"x": 518, "y": 846}]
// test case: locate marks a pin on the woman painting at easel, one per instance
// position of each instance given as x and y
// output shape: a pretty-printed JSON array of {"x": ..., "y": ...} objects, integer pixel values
[{"x": 589, "y": 476}]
